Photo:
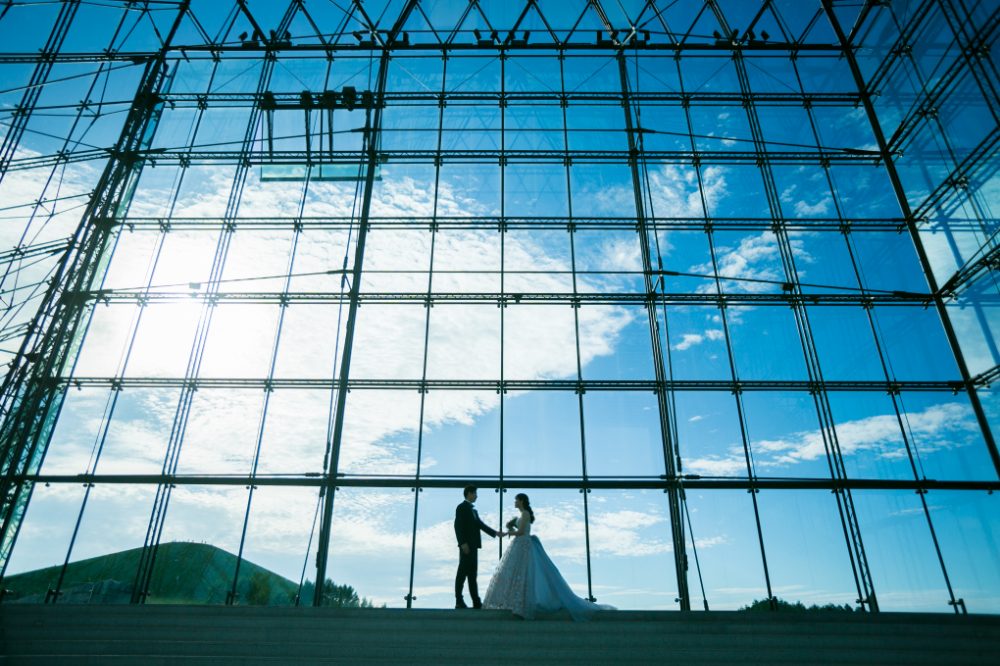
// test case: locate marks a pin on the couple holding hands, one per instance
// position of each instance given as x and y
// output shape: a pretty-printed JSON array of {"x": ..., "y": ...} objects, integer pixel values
[{"x": 526, "y": 581}]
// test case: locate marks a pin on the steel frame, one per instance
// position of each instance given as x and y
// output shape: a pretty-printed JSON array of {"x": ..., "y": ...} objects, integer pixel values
[{"x": 40, "y": 374}]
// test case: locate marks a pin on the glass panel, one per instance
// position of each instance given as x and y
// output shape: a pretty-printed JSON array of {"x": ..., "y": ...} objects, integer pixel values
[
  {"x": 623, "y": 434},
  {"x": 43, "y": 539},
  {"x": 915, "y": 344},
  {"x": 240, "y": 341},
  {"x": 535, "y": 191},
  {"x": 295, "y": 434},
  {"x": 469, "y": 190},
  {"x": 541, "y": 434},
  {"x": 725, "y": 533},
  {"x": 105, "y": 556},
  {"x": 276, "y": 547},
  {"x": 559, "y": 525},
  {"x": 945, "y": 437},
  {"x": 785, "y": 438},
  {"x": 968, "y": 529},
  {"x": 137, "y": 437},
  {"x": 436, "y": 560},
  {"x": 631, "y": 550},
  {"x": 697, "y": 343},
  {"x": 380, "y": 432},
  {"x": 78, "y": 432},
  {"x": 389, "y": 342},
  {"x": 539, "y": 342},
  {"x": 845, "y": 344},
  {"x": 370, "y": 543},
  {"x": 608, "y": 261},
  {"x": 888, "y": 261},
  {"x": 467, "y": 261},
  {"x": 709, "y": 435},
  {"x": 464, "y": 342},
  {"x": 615, "y": 344},
  {"x": 808, "y": 556},
  {"x": 312, "y": 341},
  {"x": 461, "y": 435},
  {"x": 163, "y": 340},
  {"x": 196, "y": 559},
  {"x": 904, "y": 567},
  {"x": 221, "y": 432},
  {"x": 766, "y": 344},
  {"x": 537, "y": 261},
  {"x": 396, "y": 260}
]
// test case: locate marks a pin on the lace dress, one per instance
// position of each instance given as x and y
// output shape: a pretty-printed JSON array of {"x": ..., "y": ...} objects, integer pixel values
[{"x": 527, "y": 582}]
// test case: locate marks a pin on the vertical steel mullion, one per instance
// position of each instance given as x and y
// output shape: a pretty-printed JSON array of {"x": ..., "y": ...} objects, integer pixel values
[
  {"x": 502, "y": 230},
  {"x": 663, "y": 404},
  {"x": 373, "y": 127},
  {"x": 428, "y": 304},
  {"x": 571, "y": 229}
]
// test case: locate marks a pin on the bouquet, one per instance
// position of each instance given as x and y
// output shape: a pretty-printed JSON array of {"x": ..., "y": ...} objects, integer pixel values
[{"x": 511, "y": 523}]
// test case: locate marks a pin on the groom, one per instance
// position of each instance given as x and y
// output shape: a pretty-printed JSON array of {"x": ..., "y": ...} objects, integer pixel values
[{"x": 467, "y": 526}]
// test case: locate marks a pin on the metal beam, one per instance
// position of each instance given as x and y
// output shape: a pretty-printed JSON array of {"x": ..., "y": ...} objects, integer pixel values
[{"x": 597, "y": 483}]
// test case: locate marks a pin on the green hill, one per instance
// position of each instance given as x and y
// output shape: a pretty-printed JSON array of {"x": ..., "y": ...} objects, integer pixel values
[{"x": 185, "y": 573}]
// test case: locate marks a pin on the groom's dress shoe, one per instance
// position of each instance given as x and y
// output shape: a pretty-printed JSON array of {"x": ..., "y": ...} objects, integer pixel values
[
  {"x": 460, "y": 603},
  {"x": 477, "y": 604}
]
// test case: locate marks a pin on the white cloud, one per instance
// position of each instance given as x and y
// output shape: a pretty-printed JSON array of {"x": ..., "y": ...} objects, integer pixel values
[
  {"x": 938, "y": 427},
  {"x": 675, "y": 190},
  {"x": 689, "y": 340},
  {"x": 802, "y": 209}
]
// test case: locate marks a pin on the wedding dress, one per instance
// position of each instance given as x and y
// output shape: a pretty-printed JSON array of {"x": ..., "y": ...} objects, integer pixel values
[{"x": 527, "y": 582}]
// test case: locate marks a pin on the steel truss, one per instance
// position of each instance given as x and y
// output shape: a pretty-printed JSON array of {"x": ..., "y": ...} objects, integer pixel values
[{"x": 40, "y": 374}]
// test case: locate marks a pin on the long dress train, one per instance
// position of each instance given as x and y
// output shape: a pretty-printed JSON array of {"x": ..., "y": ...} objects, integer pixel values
[{"x": 527, "y": 582}]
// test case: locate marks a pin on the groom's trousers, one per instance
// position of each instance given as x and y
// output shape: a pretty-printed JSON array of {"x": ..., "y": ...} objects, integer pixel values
[{"x": 468, "y": 567}]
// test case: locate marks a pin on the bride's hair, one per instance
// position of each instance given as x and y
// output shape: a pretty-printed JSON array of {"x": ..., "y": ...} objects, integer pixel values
[{"x": 526, "y": 504}]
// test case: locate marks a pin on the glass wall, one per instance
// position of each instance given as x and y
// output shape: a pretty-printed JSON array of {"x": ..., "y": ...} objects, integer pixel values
[{"x": 711, "y": 284}]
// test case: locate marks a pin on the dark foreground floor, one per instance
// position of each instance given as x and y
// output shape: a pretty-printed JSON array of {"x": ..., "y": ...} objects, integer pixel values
[{"x": 227, "y": 636}]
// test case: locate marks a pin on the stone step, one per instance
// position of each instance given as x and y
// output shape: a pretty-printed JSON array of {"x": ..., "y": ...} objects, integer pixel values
[
  {"x": 317, "y": 630},
  {"x": 699, "y": 657},
  {"x": 187, "y": 636},
  {"x": 251, "y": 644}
]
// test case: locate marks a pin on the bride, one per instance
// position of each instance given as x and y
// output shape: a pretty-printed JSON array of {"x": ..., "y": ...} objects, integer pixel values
[{"x": 526, "y": 581}]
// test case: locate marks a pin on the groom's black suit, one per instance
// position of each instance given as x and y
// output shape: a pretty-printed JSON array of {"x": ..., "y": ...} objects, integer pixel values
[{"x": 467, "y": 528}]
